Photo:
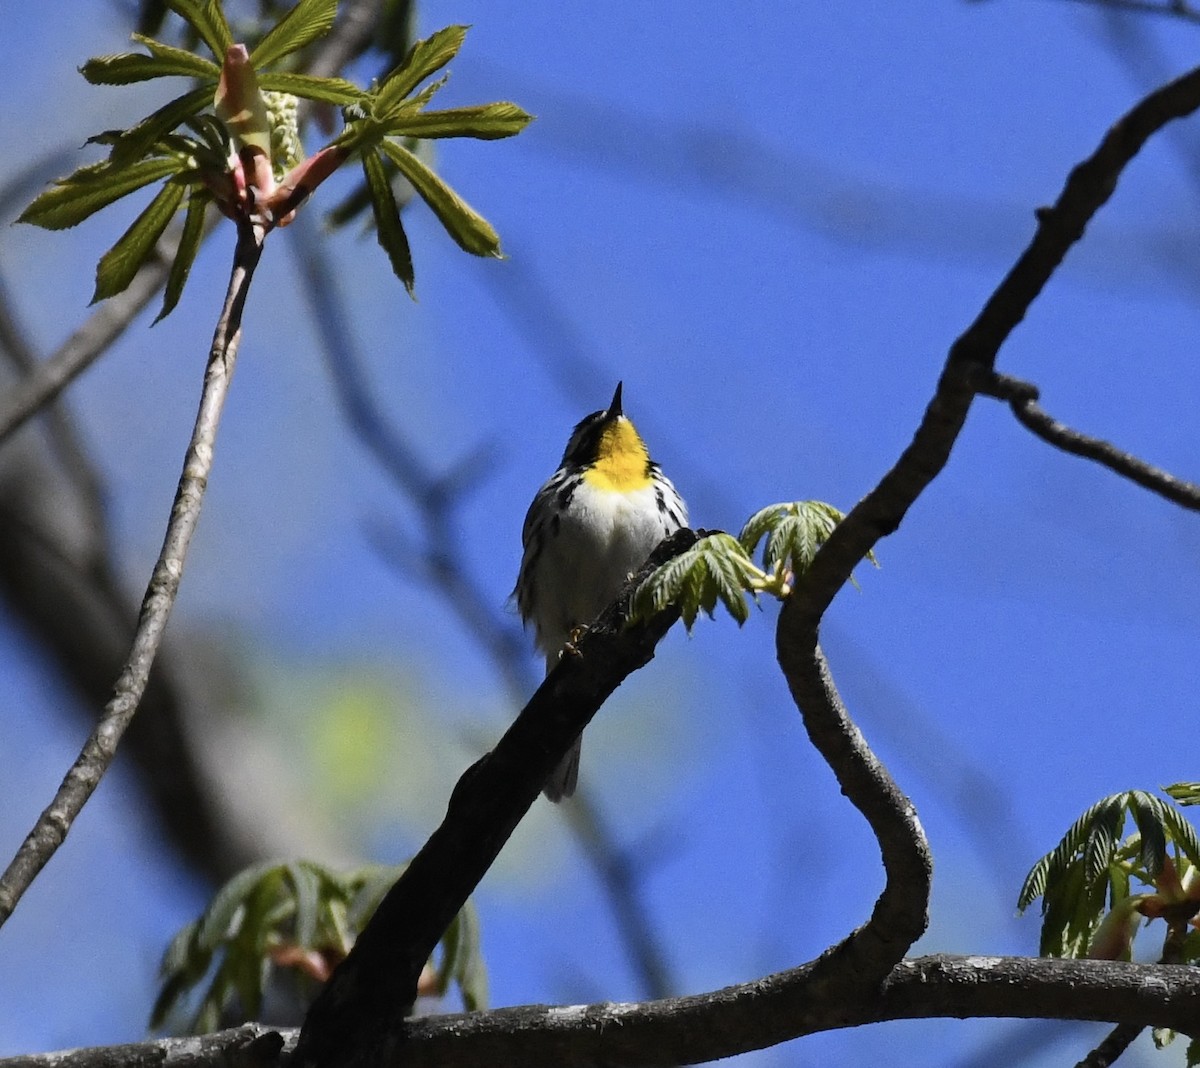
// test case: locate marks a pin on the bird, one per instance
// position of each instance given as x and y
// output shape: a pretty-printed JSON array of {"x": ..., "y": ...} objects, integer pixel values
[{"x": 591, "y": 525}]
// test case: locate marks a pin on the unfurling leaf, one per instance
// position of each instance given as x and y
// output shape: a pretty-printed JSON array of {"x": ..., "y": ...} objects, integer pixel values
[
  {"x": 336, "y": 91},
  {"x": 128, "y": 67},
  {"x": 388, "y": 228},
  {"x": 470, "y": 230},
  {"x": 1184, "y": 793},
  {"x": 715, "y": 569},
  {"x": 120, "y": 263},
  {"x": 207, "y": 18},
  {"x": 292, "y": 921},
  {"x": 1085, "y": 881},
  {"x": 487, "y": 122},
  {"x": 72, "y": 199},
  {"x": 303, "y": 24},
  {"x": 794, "y": 530},
  {"x": 424, "y": 58},
  {"x": 185, "y": 254}
]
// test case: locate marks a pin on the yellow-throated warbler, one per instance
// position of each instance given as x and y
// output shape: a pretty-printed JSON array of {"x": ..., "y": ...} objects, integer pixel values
[{"x": 590, "y": 527}]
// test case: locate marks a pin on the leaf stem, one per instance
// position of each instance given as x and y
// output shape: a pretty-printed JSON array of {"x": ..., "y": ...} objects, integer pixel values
[{"x": 98, "y": 752}]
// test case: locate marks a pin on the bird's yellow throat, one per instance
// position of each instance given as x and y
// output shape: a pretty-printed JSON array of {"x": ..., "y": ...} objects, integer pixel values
[{"x": 622, "y": 462}]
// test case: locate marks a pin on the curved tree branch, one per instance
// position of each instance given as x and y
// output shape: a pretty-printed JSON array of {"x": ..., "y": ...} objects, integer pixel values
[
  {"x": 98, "y": 752},
  {"x": 736, "y": 1019},
  {"x": 1088, "y": 187}
]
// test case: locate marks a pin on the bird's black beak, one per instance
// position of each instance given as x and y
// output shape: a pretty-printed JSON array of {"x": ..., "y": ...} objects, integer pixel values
[{"x": 614, "y": 409}]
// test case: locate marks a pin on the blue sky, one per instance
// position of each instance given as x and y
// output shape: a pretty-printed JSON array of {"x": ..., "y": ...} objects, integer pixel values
[{"x": 771, "y": 225}]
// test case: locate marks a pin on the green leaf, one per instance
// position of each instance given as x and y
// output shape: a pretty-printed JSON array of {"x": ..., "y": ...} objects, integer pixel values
[
  {"x": 328, "y": 90},
  {"x": 388, "y": 228},
  {"x": 125, "y": 68},
  {"x": 1183, "y": 834},
  {"x": 217, "y": 920},
  {"x": 424, "y": 58},
  {"x": 200, "y": 67},
  {"x": 1193, "y": 1053},
  {"x": 207, "y": 18},
  {"x": 303, "y": 24},
  {"x": 1102, "y": 838},
  {"x": 138, "y": 140},
  {"x": 1184, "y": 793},
  {"x": 716, "y": 568},
  {"x": 470, "y": 230},
  {"x": 488, "y": 122},
  {"x": 72, "y": 199},
  {"x": 1148, "y": 812},
  {"x": 373, "y": 881},
  {"x": 306, "y": 884},
  {"x": 470, "y": 972},
  {"x": 1054, "y": 864},
  {"x": 120, "y": 263},
  {"x": 762, "y": 522},
  {"x": 185, "y": 254}
]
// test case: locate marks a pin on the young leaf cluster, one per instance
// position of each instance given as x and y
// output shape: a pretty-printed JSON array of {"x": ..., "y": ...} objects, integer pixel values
[
  {"x": 1086, "y": 882},
  {"x": 192, "y": 143},
  {"x": 294, "y": 920},
  {"x": 719, "y": 569},
  {"x": 394, "y": 112}
]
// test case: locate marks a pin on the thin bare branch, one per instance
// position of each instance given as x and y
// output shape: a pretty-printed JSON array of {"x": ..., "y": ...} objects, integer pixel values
[
  {"x": 98, "y": 752},
  {"x": 1118, "y": 1040},
  {"x": 86, "y": 344},
  {"x": 900, "y": 915},
  {"x": 1022, "y": 397}
]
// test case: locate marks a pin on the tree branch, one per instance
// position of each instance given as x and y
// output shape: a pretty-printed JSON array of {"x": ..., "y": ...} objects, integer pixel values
[
  {"x": 358, "y": 1018},
  {"x": 735, "y": 1019},
  {"x": 436, "y": 560},
  {"x": 1022, "y": 397},
  {"x": 1088, "y": 187},
  {"x": 98, "y": 752}
]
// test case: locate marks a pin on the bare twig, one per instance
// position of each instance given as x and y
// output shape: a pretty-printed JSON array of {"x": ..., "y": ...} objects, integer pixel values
[
  {"x": 867, "y": 955},
  {"x": 85, "y": 345},
  {"x": 98, "y": 752},
  {"x": 1022, "y": 397},
  {"x": 1118, "y": 1040}
]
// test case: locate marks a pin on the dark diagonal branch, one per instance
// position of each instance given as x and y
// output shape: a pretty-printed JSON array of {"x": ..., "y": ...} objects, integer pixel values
[
  {"x": 435, "y": 559},
  {"x": 1087, "y": 188},
  {"x": 1022, "y": 397},
  {"x": 359, "y": 1016},
  {"x": 900, "y": 913},
  {"x": 98, "y": 752}
]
